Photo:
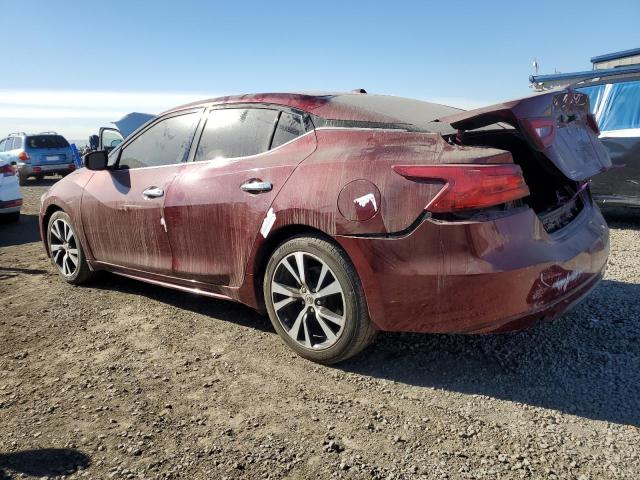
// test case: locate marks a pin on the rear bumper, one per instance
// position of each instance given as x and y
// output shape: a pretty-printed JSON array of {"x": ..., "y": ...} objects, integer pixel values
[
  {"x": 26, "y": 170},
  {"x": 479, "y": 277}
]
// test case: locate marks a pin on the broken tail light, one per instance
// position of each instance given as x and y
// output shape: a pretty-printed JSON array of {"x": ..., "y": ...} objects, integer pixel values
[
  {"x": 541, "y": 130},
  {"x": 593, "y": 123},
  {"x": 7, "y": 170},
  {"x": 469, "y": 187}
]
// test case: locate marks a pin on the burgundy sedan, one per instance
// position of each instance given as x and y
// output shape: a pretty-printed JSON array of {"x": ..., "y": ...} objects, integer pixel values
[{"x": 344, "y": 214}]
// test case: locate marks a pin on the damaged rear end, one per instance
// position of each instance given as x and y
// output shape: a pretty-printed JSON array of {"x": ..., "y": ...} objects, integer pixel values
[
  {"x": 552, "y": 138},
  {"x": 512, "y": 234}
]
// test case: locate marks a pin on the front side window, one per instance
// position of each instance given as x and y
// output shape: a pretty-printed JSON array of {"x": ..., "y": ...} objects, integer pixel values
[
  {"x": 236, "y": 132},
  {"x": 167, "y": 142},
  {"x": 8, "y": 146},
  {"x": 3, "y": 143}
]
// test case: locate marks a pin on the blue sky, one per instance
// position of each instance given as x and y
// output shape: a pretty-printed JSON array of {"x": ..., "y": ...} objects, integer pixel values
[{"x": 77, "y": 65}]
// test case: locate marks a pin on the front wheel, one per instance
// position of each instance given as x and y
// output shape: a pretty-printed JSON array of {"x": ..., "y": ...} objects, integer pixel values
[
  {"x": 66, "y": 252},
  {"x": 315, "y": 300}
]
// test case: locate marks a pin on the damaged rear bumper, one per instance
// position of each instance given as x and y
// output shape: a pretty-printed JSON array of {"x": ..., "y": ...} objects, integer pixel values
[{"x": 480, "y": 277}]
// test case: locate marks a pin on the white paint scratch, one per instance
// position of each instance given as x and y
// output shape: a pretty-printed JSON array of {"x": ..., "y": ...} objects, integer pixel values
[
  {"x": 364, "y": 200},
  {"x": 268, "y": 222}
]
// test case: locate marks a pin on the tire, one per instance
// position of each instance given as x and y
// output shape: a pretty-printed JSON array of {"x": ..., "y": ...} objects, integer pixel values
[
  {"x": 22, "y": 180},
  {"x": 321, "y": 326},
  {"x": 64, "y": 248}
]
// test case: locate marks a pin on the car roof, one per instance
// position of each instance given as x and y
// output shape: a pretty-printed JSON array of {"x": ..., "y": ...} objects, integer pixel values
[{"x": 352, "y": 106}]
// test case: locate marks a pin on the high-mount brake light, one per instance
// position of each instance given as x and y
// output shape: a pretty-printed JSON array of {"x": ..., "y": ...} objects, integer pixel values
[{"x": 469, "y": 186}]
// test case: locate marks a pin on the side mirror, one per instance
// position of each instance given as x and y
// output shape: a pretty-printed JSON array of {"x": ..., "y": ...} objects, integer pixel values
[{"x": 96, "y": 160}]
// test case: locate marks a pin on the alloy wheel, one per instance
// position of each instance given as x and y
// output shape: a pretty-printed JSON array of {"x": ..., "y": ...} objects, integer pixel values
[
  {"x": 308, "y": 300},
  {"x": 63, "y": 247}
]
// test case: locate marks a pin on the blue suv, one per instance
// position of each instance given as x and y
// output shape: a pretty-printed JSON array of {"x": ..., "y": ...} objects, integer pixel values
[{"x": 37, "y": 155}]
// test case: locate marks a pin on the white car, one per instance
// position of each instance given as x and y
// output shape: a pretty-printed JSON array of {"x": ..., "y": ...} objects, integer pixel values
[{"x": 10, "y": 197}]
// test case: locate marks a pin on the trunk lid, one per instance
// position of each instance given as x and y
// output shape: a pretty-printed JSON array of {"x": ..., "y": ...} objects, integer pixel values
[{"x": 555, "y": 124}]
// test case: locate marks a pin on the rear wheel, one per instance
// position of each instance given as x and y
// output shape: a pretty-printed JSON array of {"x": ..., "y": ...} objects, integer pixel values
[
  {"x": 22, "y": 180},
  {"x": 66, "y": 252},
  {"x": 315, "y": 300}
]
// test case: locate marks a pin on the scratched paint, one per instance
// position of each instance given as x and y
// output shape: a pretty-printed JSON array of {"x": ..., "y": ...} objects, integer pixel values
[{"x": 267, "y": 223}]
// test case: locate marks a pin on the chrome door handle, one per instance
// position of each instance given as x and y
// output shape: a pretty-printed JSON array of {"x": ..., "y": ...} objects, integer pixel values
[
  {"x": 256, "y": 186},
  {"x": 153, "y": 192}
]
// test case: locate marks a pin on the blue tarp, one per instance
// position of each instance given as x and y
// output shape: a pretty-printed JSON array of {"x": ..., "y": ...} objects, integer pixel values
[{"x": 616, "y": 106}]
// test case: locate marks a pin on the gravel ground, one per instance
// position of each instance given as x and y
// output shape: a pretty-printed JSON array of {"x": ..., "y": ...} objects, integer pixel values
[{"x": 121, "y": 379}]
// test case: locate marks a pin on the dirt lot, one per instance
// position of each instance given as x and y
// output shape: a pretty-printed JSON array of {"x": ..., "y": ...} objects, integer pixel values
[{"x": 125, "y": 380}]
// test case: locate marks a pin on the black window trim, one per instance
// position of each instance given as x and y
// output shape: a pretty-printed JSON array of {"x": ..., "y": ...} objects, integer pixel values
[
  {"x": 127, "y": 141},
  {"x": 304, "y": 116}
]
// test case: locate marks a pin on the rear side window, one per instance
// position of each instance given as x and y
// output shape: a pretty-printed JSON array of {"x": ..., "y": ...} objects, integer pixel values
[
  {"x": 165, "y": 143},
  {"x": 289, "y": 127},
  {"x": 236, "y": 132},
  {"x": 46, "y": 141},
  {"x": 17, "y": 142}
]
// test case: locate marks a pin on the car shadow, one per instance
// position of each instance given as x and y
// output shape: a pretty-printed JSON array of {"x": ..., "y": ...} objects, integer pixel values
[
  {"x": 45, "y": 182},
  {"x": 45, "y": 462},
  {"x": 220, "y": 309},
  {"x": 622, "y": 218},
  {"x": 26, "y": 230},
  {"x": 585, "y": 363}
]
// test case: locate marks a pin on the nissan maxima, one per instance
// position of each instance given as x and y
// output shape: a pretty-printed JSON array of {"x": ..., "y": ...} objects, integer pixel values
[{"x": 340, "y": 215}]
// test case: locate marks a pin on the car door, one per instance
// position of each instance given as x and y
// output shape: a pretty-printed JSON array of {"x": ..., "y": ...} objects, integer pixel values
[
  {"x": 122, "y": 207},
  {"x": 218, "y": 205}
]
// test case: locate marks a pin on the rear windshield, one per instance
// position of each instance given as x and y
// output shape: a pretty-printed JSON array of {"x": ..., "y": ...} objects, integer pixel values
[
  {"x": 388, "y": 109},
  {"x": 47, "y": 141}
]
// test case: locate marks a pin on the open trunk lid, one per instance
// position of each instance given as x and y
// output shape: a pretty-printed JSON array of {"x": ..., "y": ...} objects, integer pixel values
[{"x": 556, "y": 124}]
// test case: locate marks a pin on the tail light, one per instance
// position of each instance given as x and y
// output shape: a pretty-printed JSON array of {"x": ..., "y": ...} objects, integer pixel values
[
  {"x": 541, "y": 130},
  {"x": 36, "y": 169},
  {"x": 469, "y": 186},
  {"x": 72, "y": 166},
  {"x": 593, "y": 123},
  {"x": 7, "y": 170},
  {"x": 24, "y": 156}
]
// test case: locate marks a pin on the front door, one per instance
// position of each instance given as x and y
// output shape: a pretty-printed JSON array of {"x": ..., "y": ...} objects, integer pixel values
[
  {"x": 122, "y": 207},
  {"x": 216, "y": 208}
]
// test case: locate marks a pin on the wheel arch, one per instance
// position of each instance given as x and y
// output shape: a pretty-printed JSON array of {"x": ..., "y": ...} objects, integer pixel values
[
  {"x": 270, "y": 244},
  {"x": 51, "y": 209}
]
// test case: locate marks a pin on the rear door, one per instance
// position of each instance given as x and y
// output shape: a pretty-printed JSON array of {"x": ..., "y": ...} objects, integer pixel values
[
  {"x": 557, "y": 124},
  {"x": 218, "y": 205},
  {"x": 122, "y": 208}
]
